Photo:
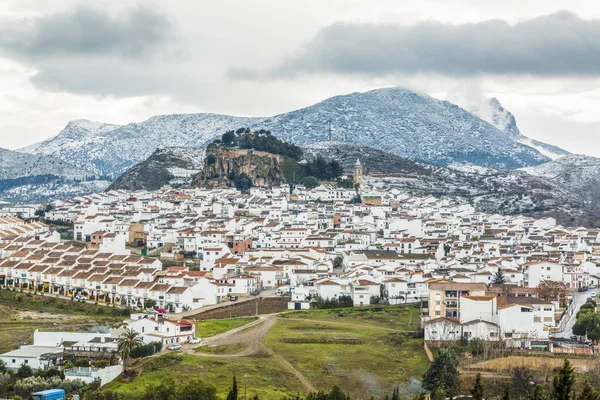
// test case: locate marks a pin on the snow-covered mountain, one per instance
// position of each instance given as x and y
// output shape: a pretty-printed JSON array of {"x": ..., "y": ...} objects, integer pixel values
[
  {"x": 36, "y": 177},
  {"x": 493, "y": 112},
  {"x": 396, "y": 120}
]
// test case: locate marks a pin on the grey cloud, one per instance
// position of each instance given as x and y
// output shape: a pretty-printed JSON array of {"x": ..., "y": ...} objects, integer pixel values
[
  {"x": 553, "y": 45},
  {"x": 84, "y": 32}
]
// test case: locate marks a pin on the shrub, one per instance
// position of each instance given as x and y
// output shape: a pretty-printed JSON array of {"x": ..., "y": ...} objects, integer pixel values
[
  {"x": 24, "y": 371},
  {"x": 102, "y": 364},
  {"x": 476, "y": 346}
]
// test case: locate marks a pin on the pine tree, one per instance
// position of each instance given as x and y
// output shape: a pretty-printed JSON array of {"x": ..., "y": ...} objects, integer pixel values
[
  {"x": 442, "y": 373},
  {"x": 233, "y": 393},
  {"x": 506, "y": 394},
  {"x": 562, "y": 384},
  {"x": 477, "y": 391},
  {"x": 499, "y": 278},
  {"x": 588, "y": 393},
  {"x": 438, "y": 394},
  {"x": 538, "y": 393}
]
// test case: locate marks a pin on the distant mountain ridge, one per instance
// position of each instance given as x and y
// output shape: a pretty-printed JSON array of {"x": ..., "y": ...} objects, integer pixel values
[
  {"x": 545, "y": 190},
  {"x": 396, "y": 120},
  {"x": 493, "y": 112},
  {"x": 36, "y": 177}
]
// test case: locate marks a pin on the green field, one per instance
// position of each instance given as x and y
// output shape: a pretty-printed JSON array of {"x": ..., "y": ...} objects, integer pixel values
[
  {"x": 214, "y": 327},
  {"x": 393, "y": 317},
  {"x": 366, "y": 352},
  {"x": 364, "y": 362},
  {"x": 264, "y": 376}
]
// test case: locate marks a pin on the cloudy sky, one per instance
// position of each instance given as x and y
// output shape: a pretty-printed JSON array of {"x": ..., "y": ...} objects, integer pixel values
[{"x": 124, "y": 61}]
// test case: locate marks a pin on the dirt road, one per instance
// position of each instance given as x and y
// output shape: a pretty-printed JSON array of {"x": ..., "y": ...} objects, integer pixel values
[{"x": 254, "y": 334}]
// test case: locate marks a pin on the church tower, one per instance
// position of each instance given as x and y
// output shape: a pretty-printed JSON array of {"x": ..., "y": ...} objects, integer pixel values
[{"x": 358, "y": 172}]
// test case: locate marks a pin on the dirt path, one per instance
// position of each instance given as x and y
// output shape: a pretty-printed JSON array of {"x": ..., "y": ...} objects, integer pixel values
[
  {"x": 364, "y": 326},
  {"x": 283, "y": 362},
  {"x": 253, "y": 333}
]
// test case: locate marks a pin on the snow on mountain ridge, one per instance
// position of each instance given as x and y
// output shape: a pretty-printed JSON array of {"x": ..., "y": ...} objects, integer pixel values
[
  {"x": 493, "y": 112},
  {"x": 398, "y": 120}
]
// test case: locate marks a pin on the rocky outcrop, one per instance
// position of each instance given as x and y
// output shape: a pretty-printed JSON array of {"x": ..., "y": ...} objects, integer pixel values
[
  {"x": 163, "y": 167},
  {"x": 223, "y": 165}
]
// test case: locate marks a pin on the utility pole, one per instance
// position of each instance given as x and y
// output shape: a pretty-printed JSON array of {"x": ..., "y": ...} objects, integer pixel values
[
  {"x": 256, "y": 306},
  {"x": 245, "y": 375}
]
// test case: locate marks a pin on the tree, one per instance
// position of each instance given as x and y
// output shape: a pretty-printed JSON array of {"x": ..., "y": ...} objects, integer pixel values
[
  {"x": 129, "y": 340},
  {"x": 521, "y": 380},
  {"x": 310, "y": 182},
  {"x": 195, "y": 389},
  {"x": 476, "y": 346},
  {"x": 588, "y": 393},
  {"x": 506, "y": 394},
  {"x": 443, "y": 372},
  {"x": 438, "y": 394},
  {"x": 499, "y": 278},
  {"x": 233, "y": 393},
  {"x": 562, "y": 384},
  {"x": 2, "y": 366},
  {"x": 24, "y": 371},
  {"x": 552, "y": 291},
  {"x": 228, "y": 137},
  {"x": 477, "y": 391},
  {"x": 243, "y": 182},
  {"x": 538, "y": 393},
  {"x": 338, "y": 261},
  {"x": 211, "y": 159}
]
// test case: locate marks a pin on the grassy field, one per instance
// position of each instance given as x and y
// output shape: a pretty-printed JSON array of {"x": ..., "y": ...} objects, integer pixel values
[
  {"x": 223, "y": 349},
  {"x": 264, "y": 376},
  {"x": 365, "y": 352},
  {"x": 21, "y": 314},
  {"x": 392, "y": 317},
  {"x": 365, "y": 361},
  {"x": 214, "y": 327}
]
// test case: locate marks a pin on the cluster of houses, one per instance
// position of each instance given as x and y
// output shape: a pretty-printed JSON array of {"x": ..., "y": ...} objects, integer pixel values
[{"x": 319, "y": 242}]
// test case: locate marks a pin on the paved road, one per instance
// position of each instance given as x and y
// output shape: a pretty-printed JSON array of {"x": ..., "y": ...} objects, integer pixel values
[{"x": 580, "y": 299}]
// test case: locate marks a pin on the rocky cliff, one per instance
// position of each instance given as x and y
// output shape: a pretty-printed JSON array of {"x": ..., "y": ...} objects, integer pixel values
[{"x": 223, "y": 165}]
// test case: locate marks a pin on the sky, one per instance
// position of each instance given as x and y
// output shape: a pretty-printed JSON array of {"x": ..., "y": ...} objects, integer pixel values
[{"x": 125, "y": 61}]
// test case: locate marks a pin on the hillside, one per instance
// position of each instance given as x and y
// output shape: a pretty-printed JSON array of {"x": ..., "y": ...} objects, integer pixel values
[
  {"x": 164, "y": 166},
  {"x": 396, "y": 120},
  {"x": 33, "y": 178}
]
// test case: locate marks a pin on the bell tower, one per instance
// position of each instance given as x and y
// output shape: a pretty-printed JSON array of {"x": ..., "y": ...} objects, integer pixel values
[{"x": 358, "y": 172}]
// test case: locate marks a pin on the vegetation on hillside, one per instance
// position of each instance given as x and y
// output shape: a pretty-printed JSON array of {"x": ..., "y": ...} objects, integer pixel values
[{"x": 307, "y": 173}]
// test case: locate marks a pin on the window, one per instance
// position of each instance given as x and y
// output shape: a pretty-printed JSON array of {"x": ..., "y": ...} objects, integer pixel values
[
  {"x": 26, "y": 361},
  {"x": 14, "y": 361},
  {"x": 437, "y": 313},
  {"x": 493, "y": 334},
  {"x": 508, "y": 335},
  {"x": 525, "y": 309}
]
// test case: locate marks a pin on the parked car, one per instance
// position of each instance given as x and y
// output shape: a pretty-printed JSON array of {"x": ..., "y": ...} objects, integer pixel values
[
  {"x": 256, "y": 293},
  {"x": 174, "y": 346},
  {"x": 233, "y": 298},
  {"x": 593, "y": 294},
  {"x": 194, "y": 340},
  {"x": 283, "y": 291}
]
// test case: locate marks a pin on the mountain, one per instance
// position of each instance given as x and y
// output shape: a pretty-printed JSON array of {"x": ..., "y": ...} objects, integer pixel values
[
  {"x": 164, "y": 166},
  {"x": 493, "y": 112},
  {"x": 545, "y": 190},
  {"x": 567, "y": 189},
  {"x": 31, "y": 178},
  {"x": 396, "y": 120}
]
